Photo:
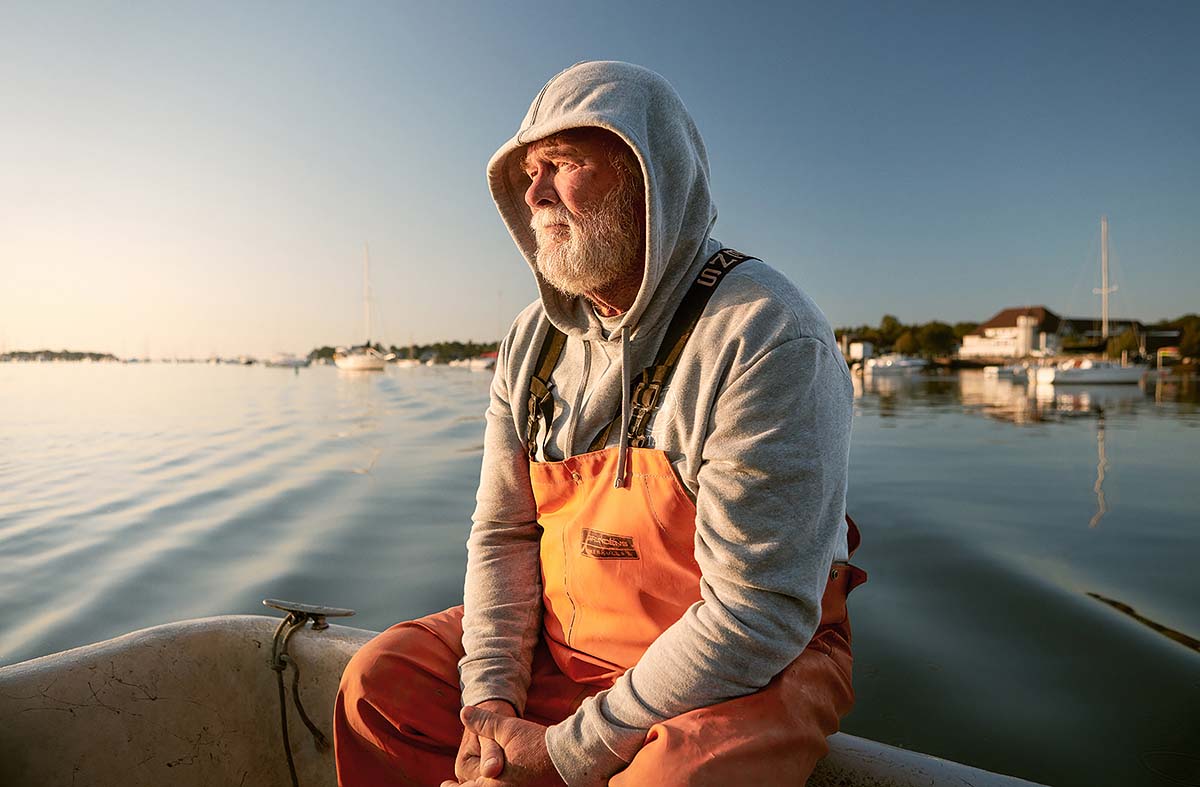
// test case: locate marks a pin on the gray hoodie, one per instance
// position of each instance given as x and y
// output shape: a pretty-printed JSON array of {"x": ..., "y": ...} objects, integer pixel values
[{"x": 755, "y": 421}]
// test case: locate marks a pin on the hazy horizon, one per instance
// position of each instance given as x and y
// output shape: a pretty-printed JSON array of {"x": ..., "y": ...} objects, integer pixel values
[{"x": 200, "y": 179}]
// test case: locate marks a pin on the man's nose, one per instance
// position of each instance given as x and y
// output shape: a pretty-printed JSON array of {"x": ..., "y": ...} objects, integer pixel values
[{"x": 541, "y": 193}]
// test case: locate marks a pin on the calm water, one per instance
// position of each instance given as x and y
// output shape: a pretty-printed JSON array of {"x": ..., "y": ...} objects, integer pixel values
[{"x": 995, "y": 521}]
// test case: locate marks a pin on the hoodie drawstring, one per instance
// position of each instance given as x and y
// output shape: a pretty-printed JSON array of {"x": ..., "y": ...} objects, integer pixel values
[{"x": 626, "y": 382}]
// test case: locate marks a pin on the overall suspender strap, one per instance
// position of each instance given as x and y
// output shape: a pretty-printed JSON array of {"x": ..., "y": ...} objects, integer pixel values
[
  {"x": 647, "y": 388},
  {"x": 541, "y": 402}
]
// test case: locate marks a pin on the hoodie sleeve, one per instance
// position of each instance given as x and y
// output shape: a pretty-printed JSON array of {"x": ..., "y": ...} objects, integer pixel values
[
  {"x": 770, "y": 507},
  {"x": 502, "y": 597}
]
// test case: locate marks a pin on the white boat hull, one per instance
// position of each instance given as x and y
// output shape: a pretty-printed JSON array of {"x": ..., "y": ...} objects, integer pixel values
[
  {"x": 893, "y": 364},
  {"x": 288, "y": 363},
  {"x": 1126, "y": 375},
  {"x": 195, "y": 704},
  {"x": 360, "y": 363}
]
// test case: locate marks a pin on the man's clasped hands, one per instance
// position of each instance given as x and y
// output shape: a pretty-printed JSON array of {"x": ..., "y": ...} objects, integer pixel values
[{"x": 499, "y": 749}]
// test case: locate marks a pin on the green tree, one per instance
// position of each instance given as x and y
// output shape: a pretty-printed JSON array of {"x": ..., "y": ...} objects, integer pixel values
[
  {"x": 906, "y": 344},
  {"x": 1126, "y": 342},
  {"x": 961, "y": 329},
  {"x": 936, "y": 338},
  {"x": 1189, "y": 343},
  {"x": 321, "y": 353},
  {"x": 890, "y": 329}
]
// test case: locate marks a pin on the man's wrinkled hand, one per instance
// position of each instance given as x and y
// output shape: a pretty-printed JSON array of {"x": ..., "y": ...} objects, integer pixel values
[
  {"x": 481, "y": 758},
  {"x": 526, "y": 763}
]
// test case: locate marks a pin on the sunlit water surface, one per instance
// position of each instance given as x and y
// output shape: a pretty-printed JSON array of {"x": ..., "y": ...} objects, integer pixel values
[{"x": 1034, "y": 554}]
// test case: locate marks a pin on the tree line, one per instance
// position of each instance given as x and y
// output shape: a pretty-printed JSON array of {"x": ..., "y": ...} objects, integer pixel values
[
  {"x": 931, "y": 338},
  {"x": 440, "y": 352},
  {"x": 936, "y": 338},
  {"x": 55, "y": 355}
]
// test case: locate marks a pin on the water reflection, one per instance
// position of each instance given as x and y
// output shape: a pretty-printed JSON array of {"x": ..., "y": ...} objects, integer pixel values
[
  {"x": 915, "y": 397},
  {"x": 1101, "y": 467},
  {"x": 1017, "y": 402}
]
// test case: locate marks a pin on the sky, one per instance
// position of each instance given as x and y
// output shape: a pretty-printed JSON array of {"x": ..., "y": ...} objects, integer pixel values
[{"x": 187, "y": 179}]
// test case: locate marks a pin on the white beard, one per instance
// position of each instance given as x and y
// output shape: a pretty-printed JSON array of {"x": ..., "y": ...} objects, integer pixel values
[{"x": 594, "y": 249}]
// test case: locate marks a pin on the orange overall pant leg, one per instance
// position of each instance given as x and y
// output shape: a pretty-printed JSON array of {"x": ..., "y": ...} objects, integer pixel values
[
  {"x": 774, "y": 736},
  {"x": 396, "y": 718}
]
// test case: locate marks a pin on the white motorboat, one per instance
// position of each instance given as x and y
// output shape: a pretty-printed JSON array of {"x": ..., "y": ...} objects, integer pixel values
[
  {"x": 1088, "y": 371},
  {"x": 202, "y": 703},
  {"x": 894, "y": 363},
  {"x": 363, "y": 357}
]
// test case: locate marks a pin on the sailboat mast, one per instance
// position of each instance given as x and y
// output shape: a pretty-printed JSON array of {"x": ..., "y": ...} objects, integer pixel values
[
  {"x": 1104, "y": 276},
  {"x": 1104, "y": 289},
  {"x": 367, "y": 293}
]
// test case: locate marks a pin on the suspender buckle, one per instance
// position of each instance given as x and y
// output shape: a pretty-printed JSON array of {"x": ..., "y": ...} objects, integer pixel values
[
  {"x": 645, "y": 401},
  {"x": 646, "y": 395},
  {"x": 531, "y": 426}
]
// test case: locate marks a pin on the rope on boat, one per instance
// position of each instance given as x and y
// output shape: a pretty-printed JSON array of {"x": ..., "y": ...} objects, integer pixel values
[
  {"x": 279, "y": 663},
  {"x": 298, "y": 615}
]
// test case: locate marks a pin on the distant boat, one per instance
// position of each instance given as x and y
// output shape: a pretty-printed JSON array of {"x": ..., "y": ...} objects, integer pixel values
[
  {"x": 363, "y": 357},
  {"x": 482, "y": 363},
  {"x": 407, "y": 362},
  {"x": 1083, "y": 371},
  {"x": 1086, "y": 371},
  {"x": 287, "y": 361},
  {"x": 894, "y": 363},
  {"x": 1012, "y": 371}
]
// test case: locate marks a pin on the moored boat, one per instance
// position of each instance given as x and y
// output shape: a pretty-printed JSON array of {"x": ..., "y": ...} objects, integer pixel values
[
  {"x": 894, "y": 363},
  {"x": 1012, "y": 371},
  {"x": 197, "y": 703},
  {"x": 1093, "y": 371},
  {"x": 287, "y": 361},
  {"x": 363, "y": 357},
  {"x": 1086, "y": 371}
]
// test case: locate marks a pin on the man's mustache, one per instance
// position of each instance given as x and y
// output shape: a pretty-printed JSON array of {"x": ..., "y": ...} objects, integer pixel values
[{"x": 548, "y": 217}]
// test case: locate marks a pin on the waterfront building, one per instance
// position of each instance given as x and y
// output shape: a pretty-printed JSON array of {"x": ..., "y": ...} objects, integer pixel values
[
  {"x": 1020, "y": 332},
  {"x": 1015, "y": 332},
  {"x": 861, "y": 351}
]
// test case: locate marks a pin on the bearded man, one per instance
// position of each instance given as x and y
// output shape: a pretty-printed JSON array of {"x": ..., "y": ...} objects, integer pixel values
[{"x": 656, "y": 575}]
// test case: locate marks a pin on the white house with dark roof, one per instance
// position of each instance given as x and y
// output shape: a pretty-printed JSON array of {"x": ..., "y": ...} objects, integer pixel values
[{"x": 1014, "y": 333}]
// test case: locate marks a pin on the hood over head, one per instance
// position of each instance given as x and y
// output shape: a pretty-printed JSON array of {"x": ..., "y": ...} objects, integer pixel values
[{"x": 644, "y": 110}]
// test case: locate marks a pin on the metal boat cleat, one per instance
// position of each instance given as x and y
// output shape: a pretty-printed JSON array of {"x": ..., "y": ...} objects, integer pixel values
[{"x": 314, "y": 612}]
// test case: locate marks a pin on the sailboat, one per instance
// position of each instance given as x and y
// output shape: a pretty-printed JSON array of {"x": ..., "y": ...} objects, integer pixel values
[
  {"x": 363, "y": 357},
  {"x": 1089, "y": 371}
]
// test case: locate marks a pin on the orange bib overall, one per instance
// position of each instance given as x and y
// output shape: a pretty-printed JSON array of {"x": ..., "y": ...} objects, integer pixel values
[
  {"x": 617, "y": 563},
  {"x": 618, "y": 569}
]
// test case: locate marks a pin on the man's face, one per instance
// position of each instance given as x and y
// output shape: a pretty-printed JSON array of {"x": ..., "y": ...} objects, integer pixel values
[{"x": 585, "y": 192}]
